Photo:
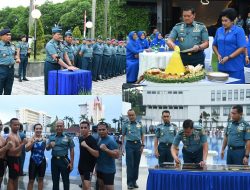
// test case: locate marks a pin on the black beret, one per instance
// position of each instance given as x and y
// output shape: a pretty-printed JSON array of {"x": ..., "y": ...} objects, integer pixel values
[{"x": 4, "y": 31}]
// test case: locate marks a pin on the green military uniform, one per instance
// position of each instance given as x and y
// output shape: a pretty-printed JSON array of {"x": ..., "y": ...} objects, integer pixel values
[
  {"x": 7, "y": 61},
  {"x": 237, "y": 134},
  {"x": 188, "y": 36},
  {"x": 192, "y": 145},
  {"x": 133, "y": 132},
  {"x": 165, "y": 134},
  {"x": 60, "y": 160}
]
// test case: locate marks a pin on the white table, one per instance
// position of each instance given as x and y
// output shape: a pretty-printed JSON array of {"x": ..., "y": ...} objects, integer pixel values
[{"x": 148, "y": 60}]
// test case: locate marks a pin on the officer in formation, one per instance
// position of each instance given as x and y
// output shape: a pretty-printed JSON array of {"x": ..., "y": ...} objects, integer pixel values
[
  {"x": 190, "y": 35},
  {"x": 97, "y": 53},
  {"x": 55, "y": 56},
  {"x": 87, "y": 56},
  {"x": 106, "y": 62},
  {"x": 121, "y": 58},
  {"x": 195, "y": 146},
  {"x": 164, "y": 134},
  {"x": 23, "y": 50},
  {"x": 68, "y": 44},
  {"x": 237, "y": 138},
  {"x": 60, "y": 143},
  {"x": 7, "y": 61},
  {"x": 134, "y": 133}
]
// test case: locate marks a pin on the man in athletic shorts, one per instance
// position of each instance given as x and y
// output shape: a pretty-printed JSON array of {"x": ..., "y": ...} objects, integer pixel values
[
  {"x": 14, "y": 153},
  {"x": 108, "y": 150},
  {"x": 3, "y": 149},
  {"x": 88, "y": 154}
]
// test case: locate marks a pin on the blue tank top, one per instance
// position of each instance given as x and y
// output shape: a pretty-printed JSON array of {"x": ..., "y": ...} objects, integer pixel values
[{"x": 37, "y": 152}]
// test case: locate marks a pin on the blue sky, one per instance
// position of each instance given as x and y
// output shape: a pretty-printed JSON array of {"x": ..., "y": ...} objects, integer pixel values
[
  {"x": 57, "y": 106},
  {"x": 25, "y": 3}
]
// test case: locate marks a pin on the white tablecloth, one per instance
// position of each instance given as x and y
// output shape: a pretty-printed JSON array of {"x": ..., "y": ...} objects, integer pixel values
[{"x": 148, "y": 60}]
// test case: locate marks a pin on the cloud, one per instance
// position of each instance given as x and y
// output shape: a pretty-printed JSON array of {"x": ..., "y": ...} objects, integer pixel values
[{"x": 6, "y": 116}]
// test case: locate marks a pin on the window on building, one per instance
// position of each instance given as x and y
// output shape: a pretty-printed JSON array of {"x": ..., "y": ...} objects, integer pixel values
[
  {"x": 216, "y": 110},
  {"x": 155, "y": 107},
  {"x": 176, "y": 107},
  {"x": 148, "y": 92},
  {"x": 202, "y": 107},
  {"x": 248, "y": 93},
  {"x": 235, "y": 94},
  {"x": 160, "y": 107},
  {"x": 181, "y": 107},
  {"x": 212, "y": 95},
  {"x": 169, "y": 92},
  {"x": 158, "y": 92},
  {"x": 165, "y": 107},
  {"x": 153, "y": 92},
  {"x": 175, "y": 92},
  {"x": 230, "y": 95},
  {"x": 241, "y": 94},
  {"x": 170, "y": 107},
  {"x": 224, "y": 95},
  {"x": 248, "y": 110},
  {"x": 226, "y": 110},
  {"x": 149, "y": 107},
  {"x": 180, "y": 92},
  {"x": 218, "y": 98}
]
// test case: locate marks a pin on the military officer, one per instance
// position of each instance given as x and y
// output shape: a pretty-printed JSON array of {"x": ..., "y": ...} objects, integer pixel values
[
  {"x": 190, "y": 34},
  {"x": 97, "y": 61},
  {"x": 69, "y": 46},
  {"x": 7, "y": 61},
  {"x": 106, "y": 61},
  {"x": 113, "y": 59},
  {"x": 55, "y": 53},
  {"x": 195, "y": 146},
  {"x": 134, "y": 134},
  {"x": 237, "y": 138},
  {"x": 87, "y": 55},
  {"x": 164, "y": 134},
  {"x": 60, "y": 143},
  {"x": 23, "y": 50}
]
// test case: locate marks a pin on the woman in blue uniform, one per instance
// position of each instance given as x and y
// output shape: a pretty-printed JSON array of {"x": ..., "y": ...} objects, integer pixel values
[
  {"x": 158, "y": 41},
  {"x": 229, "y": 46},
  {"x": 142, "y": 39},
  {"x": 132, "y": 58},
  {"x": 247, "y": 53}
]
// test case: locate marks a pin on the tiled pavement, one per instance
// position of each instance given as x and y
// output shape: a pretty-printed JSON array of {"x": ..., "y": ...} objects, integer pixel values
[
  {"x": 74, "y": 182},
  {"x": 35, "y": 86}
]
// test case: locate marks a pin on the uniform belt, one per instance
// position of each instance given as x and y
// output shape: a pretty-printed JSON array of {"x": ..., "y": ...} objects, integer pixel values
[
  {"x": 192, "y": 53},
  {"x": 9, "y": 66},
  {"x": 52, "y": 63},
  {"x": 167, "y": 144},
  {"x": 135, "y": 142},
  {"x": 236, "y": 147},
  {"x": 60, "y": 157},
  {"x": 107, "y": 55}
]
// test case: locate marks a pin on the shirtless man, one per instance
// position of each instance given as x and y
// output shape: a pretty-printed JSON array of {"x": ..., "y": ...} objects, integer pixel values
[
  {"x": 14, "y": 153},
  {"x": 3, "y": 148}
]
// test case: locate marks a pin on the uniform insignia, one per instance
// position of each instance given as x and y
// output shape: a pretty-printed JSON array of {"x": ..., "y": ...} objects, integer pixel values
[
  {"x": 162, "y": 134},
  {"x": 138, "y": 126},
  {"x": 4, "y": 55},
  {"x": 181, "y": 39}
]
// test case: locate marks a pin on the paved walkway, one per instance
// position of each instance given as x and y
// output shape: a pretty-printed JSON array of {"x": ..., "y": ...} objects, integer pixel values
[
  {"x": 35, "y": 86},
  {"x": 74, "y": 182}
]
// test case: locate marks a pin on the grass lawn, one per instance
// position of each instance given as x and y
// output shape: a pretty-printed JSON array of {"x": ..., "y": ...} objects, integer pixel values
[
  {"x": 214, "y": 63},
  {"x": 39, "y": 57}
]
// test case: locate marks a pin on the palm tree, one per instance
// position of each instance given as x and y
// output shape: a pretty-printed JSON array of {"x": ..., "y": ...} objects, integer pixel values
[
  {"x": 102, "y": 120},
  {"x": 115, "y": 121},
  {"x": 83, "y": 117},
  {"x": 71, "y": 121}
]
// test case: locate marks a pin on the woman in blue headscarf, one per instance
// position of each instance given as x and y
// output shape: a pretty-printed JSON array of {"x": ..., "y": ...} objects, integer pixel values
[
  {"x": 158, "y": 41},
  {"x": 132, "y": 58},
  {"x": 143, "y": 41}
]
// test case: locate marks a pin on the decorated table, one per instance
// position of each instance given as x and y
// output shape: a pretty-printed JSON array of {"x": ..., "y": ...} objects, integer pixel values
[
  {"x": 148, "y": 60},
  {"x": 64, "y": 82},
  {"x": 210, "y": 178}
]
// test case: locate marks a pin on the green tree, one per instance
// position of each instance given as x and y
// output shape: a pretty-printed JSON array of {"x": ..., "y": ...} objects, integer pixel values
[
  {"x": 102, "y": 120},
  {"x": 71, "y": 121},
  {"x": 66, "y": 118},
  {"x": 77, "y": 32},
  {"x": 39, "y": 35},
  {"x": 84, "y": 117},
  {"x": 115, "y": 121}
]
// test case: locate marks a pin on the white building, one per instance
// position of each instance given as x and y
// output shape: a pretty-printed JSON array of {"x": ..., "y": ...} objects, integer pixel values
[
  {"x": 93, "y": 109},
  {"x": 188, "y": 101},
  {"x": 31, "y": 117}
]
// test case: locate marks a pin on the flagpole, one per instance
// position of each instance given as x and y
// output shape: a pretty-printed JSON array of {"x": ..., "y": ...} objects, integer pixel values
[{"x": 84, "y": 26}]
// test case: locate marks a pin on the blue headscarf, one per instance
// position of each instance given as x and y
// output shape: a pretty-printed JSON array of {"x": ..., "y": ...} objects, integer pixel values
[
  {"x": 143, "y": 42},
  {"x": 133, "y": 47},
  {"x": 157, "y": 42}
]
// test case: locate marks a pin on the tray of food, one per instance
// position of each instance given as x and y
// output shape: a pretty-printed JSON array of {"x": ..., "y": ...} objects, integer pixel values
[{"x": 217, "y": 76}]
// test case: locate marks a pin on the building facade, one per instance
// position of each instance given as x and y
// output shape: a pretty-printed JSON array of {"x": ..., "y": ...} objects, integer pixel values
[{"x": 188, "y": 101}]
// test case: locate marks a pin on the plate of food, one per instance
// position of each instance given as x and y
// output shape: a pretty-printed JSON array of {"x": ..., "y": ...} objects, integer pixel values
[{"x": 217, "y": 76}]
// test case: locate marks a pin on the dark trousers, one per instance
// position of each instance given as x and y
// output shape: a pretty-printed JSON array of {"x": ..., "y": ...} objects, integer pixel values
[
  {"x": 6, "y": 79},
  {"x": 194, "y": 59},
  {"x": 59, "y": 167},
  {"x": 106, "y": 66},
  {"x": 113, "y": 66},
  {"x": 133, "y": 157},
  {"x": 22, "y": 159},
  {"x": 96, "y": 66},
  {"x": 23, "y": 66},
  {"x": 165, "y": 153},
  {"x": 235, "y": 157},
  {"x": 192, "y": 157},
  {"x": 49, "y": 67},
  {"x": 87, "y": 63}
]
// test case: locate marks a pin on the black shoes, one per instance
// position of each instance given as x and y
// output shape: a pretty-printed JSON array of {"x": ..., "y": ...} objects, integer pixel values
[
  {"x": 20, "y": 80},
  {"x": 136, "y": 186},
  {"x": 25, "y": 79}
]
